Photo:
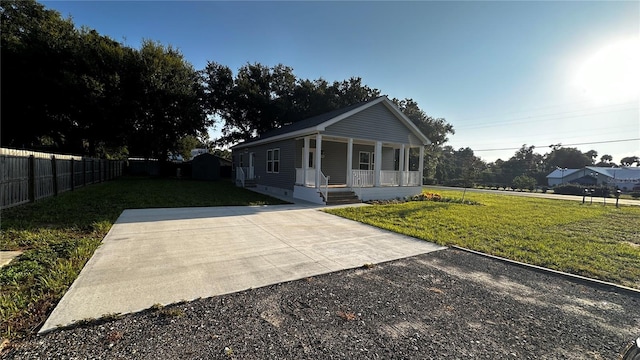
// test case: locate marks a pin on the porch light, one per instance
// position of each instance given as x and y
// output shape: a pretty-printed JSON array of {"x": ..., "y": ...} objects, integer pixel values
[{"x": 322, "y": 154}]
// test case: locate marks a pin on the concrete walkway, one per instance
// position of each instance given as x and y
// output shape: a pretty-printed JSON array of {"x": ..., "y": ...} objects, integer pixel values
[{"x": 169, "y": 255}]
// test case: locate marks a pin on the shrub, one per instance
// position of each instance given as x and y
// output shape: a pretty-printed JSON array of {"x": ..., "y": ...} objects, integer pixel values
[
  {"x": 635, "y": 194},
  {"x": 569, "y": 189},
  {"x": 523, "y": 182},
  {"x": 575, "y": 189},
  {"x": 427, "y": 196}
]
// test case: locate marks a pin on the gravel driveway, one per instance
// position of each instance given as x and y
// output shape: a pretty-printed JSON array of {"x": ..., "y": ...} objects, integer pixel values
[{"x": 446, "y": 304}]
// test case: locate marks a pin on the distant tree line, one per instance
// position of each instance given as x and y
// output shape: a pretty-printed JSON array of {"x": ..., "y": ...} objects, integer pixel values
[
  {"x": 73, "y": 90},
  {"x": 526, "y": 169}
]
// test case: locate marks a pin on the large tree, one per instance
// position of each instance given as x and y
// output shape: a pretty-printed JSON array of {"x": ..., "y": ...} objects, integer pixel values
[
  {"x": 37, "y": 58},
  {"x": 437, "y": 130},
  {"x": 630, "y": 160},
  {"x": 606, "y": 160},
  {"x": 74, "y": 90},
  {"x": 260, "y": 98},
  {"x": 170, "y": 100},
  {"x": 566, "y": 157}
]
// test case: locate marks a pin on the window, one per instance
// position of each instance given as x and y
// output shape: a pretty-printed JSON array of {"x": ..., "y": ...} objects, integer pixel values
[
  {"x": 366, "y": 160},
  {"x": 273, "y": 160},
  {"x": 312, "y": 157}
]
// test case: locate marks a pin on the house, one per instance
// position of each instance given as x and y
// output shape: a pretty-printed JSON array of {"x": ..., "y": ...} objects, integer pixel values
[
  {"x": 557, "y": 177},
  {"x": 361, "y": 150},
  {"x": 623, "y": 178}
]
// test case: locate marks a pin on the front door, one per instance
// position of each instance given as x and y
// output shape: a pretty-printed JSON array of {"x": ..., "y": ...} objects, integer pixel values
[
  {"x": 252, "y": 161},
  {"x": 311, "y": 173},
  {"x": 312, "y": 158}
]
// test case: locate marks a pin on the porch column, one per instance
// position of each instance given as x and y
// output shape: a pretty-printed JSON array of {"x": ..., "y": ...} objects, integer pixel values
[
  {"x": 318, "y": 161},
  {"x": 406, "y": 163},
  {"x": 377, "y": 163},
  {"x": 305, "y": 160},
  {"x": 421, "y": 165},
  {"x": 349, "y": 162},
  {"x": 401, "y": 164}
]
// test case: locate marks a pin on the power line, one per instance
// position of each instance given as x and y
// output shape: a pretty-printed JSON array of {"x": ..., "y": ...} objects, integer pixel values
[
  {"x": 524, "y": 120},
  {"x": 463, "y": 120},
  {"x": 574, "y": 144}
]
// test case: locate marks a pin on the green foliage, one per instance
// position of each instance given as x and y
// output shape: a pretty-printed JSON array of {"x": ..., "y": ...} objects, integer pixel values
[
  {"x": 260, "y": 98},
  {"x": 458, "y": 167},
  {"x": 575, "y": 189},
  {"x": 59, "y": 234},
  {"x": 567, "y": 157},
  {"x": 77, "y": 91},
  {"x": 523, "y": 182},
  {"x": 186, "y": 144},
  {"x": 562, "y": 235},
  {"x": 429, "y": 196},
  {"x": 635, "y": 194},
  {"x": 630, "y": 160}
]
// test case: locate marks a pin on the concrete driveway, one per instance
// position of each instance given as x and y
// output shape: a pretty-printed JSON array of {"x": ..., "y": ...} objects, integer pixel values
[{"x": 169, "y": 255}]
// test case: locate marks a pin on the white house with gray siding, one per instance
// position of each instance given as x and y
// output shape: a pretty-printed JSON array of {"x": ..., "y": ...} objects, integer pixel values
[{"x": 363, "y": 149}]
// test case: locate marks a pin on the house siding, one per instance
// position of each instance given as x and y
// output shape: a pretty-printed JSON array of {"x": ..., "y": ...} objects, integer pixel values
[
  {"x": 376, "y": 123},
  {"x": 356, "y": 154},
  {"x": 388, "y": 158},
  {"x": 286, "y": 177},
  {"x": 334, "y": 163}
]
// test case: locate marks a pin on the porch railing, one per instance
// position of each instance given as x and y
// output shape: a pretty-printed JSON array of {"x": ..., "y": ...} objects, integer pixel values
[
  {"x": 389, "y": 178},
  {"x": 240, "y": 176},
  {"x": 362, "y": 178},
  {"x": 324, "y": 186},
  {"x": 414, "y": 178},
  {"x": 311, "y": 177},
  {"x": 366, "y": 178}
]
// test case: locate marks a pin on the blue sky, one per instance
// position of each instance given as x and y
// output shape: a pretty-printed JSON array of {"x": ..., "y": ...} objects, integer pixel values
[{"x": 503, "y": 73}]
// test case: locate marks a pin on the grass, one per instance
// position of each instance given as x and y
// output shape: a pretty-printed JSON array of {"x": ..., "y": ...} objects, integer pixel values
[
  {"x": 59, "y": 234},
  {"x": 589, "y": 240}
]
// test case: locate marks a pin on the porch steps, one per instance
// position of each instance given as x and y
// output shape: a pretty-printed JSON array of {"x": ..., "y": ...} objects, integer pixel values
[
  {"x": 342, "y": 197},
  {"x": 250, "y": 183}
]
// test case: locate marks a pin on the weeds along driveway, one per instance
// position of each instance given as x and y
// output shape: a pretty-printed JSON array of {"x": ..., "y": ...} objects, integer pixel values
[{"x": 163, "y": 256}]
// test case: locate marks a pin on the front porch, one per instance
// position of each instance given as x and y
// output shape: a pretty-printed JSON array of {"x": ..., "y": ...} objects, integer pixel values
[
  {"x": 363, "y": 178},
  {"x": 365, "y": 167}
]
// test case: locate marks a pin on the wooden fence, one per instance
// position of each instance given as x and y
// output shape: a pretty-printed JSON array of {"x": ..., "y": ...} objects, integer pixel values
[{"x": 27, "y": 176}]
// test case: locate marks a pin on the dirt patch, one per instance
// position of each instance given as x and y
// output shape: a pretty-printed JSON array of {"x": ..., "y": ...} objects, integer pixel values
[{"x": 7, "y": 256}]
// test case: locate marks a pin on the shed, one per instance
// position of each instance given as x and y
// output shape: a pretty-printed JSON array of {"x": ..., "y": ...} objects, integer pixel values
[{"x": 205, "y": 167}]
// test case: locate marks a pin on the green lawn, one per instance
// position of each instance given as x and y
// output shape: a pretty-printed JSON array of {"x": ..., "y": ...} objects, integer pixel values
[
  {"x": 588, "y": 240},
  {"x": 60, "y": 234}
]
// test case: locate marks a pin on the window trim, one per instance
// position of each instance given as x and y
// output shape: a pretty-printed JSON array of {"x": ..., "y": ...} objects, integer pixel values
[
  {"x": 274, "y": 161},
  {"x": 369, "y": 163}
]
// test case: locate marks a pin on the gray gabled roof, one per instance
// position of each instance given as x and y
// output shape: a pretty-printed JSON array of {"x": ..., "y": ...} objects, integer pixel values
[
  {"x": 625, "y": 172},
  {"x": 319, "y": 122},
  {"x": 558, "y": 173}
]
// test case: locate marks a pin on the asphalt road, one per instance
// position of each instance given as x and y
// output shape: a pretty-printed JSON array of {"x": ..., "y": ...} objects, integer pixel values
[{"x": 596, "y": 200}]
